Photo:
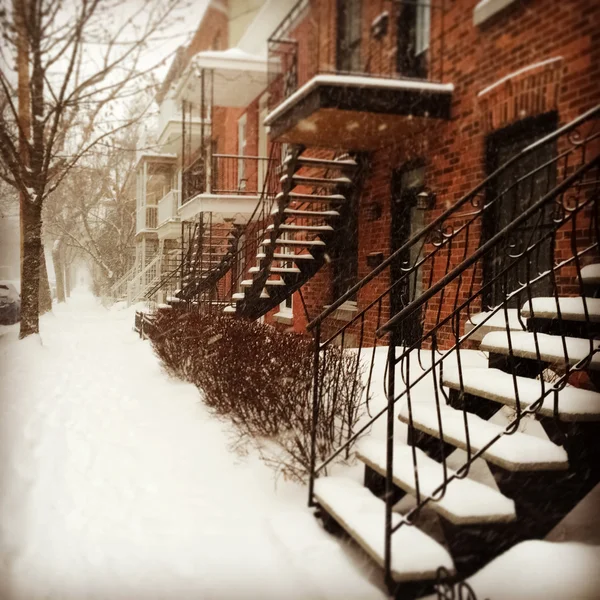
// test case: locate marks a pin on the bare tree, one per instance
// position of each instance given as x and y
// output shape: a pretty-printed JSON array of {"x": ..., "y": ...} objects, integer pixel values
[
  {"x": 77, "y": 61},
  {"x": 93, "y": 212}
]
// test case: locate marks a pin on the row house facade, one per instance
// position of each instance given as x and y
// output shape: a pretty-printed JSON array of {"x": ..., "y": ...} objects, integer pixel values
[{"x": 414, "y": 174}]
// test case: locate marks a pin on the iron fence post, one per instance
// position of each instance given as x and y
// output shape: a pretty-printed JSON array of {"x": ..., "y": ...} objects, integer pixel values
[
  {"x": 315, "y": 415},
  {"x": 389, "y": 483}
]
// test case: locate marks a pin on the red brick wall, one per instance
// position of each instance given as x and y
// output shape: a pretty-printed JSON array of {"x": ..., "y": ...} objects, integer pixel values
[{"x": 473, "y": 57}]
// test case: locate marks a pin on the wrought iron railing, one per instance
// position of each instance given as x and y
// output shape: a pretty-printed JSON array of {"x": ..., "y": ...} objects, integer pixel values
[
  {"x": 405, "y": 41},
  {"x": 234, "y": 174},
  {"x": 551, "y": 231}
]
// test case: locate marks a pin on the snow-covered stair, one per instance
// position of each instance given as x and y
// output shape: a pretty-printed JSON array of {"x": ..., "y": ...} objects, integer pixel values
[
  {"x": 515, "y": 452},
  {"x": 574, "y": 404},
  {"x": 484, "y": 322},
  {"x": 464, "y": 501},
  {"x": 550, "y": 346},
  {"x": 571, "y": 309},
  {"x": 590, "y": 274},
  {"x": 415, "y": 555}
]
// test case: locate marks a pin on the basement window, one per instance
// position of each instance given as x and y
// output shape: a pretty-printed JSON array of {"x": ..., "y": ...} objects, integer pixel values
[{"x": 486, "y": 9}]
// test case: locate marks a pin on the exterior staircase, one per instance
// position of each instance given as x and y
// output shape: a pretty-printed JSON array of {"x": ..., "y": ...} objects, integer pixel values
[
  {"x": 303, "y": 224},
  {"x": 481, "y": 451}
]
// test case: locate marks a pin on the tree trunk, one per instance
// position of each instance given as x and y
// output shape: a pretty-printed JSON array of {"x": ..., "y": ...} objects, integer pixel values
[
  {"x": 45, "y": 299},
  {"x": 59, "y": 272},
  {"x": 31, "y": 216}
]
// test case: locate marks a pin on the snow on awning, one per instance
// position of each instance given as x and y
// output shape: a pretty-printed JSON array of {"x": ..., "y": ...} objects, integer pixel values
[{"x": 238, "y": 77}]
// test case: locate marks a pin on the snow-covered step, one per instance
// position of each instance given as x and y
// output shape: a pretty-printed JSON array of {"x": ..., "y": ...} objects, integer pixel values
[
  {"x": 308, "y": 161},
  {"x": 574, "y": 404},
  {"x": 298, "y": 212},
  {"x": 571, "y": 309},
  {"x": 550, "y": 346},
  {"x": 516, "y": 452},
  {"x": 415, "y": 555},
  {"x": 284, "y": 242},
  {"x": 238, "y": 296},
  {"x": 291, "y": 227},
  {"x": 492, "y": 322},
  {"x": 276, "y": 269},
  {"x": 316, "y": 181},
  {"x": 298, "y": 197},
  {"x": 250, "y": 282},
  {"x": 465, "y": 501},
  {"x": 590, "y": 274},
  {"x": 229, "y": 309}
]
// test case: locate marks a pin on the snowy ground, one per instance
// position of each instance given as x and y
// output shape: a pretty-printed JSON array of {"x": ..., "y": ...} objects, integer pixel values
[{"x": 116, "y": 482}]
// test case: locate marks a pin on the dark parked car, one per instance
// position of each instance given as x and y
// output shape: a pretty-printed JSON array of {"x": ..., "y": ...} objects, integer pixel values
[{"x": 10, "y": 303}]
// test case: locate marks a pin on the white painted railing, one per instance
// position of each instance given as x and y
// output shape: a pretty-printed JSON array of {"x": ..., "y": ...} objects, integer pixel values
[
  {"x": 146, "y": 218},
  {"x": 167, "y": 207}
]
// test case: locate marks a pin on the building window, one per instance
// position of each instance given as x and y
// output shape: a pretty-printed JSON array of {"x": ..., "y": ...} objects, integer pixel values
[
  {"x": 413, "y": 35},
  {"x": 349, "y": 35}
]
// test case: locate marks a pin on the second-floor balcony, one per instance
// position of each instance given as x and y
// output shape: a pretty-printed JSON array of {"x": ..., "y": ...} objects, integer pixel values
[
  {"x": 225, "y": 184},
  {"x": 351, "y": 74}
]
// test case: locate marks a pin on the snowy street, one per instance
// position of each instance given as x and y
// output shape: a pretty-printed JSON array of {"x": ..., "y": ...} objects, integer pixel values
[{"x": 116, "y": 482}]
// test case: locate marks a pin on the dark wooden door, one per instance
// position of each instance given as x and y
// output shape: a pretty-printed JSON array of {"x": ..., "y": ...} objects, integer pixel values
[
  {"x": 516, "y": 189},
  {"x": 407, "y": 220}
]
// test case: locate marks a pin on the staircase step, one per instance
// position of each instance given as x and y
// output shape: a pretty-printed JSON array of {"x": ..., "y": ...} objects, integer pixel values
[
  {"x": 574, "y": 404},
  {"x": 590, "y": 274},
  {"x": 283, "y": 256},
  {"x": 250, "y": 282},
  {"x": 571, "y": 309},
  {"x": 291, "y": 227},
  {"x": 282, "y": 242},
  {"x": 316, "y": 181},
  {"x": 229, "y": 309},
  {"x": 297, "y": 212},
  {"x": 276, "y": 269},
  {"x": 465, "y": 501},
  {"x": 493, "y": 322},
  {"x": 516, "y": 452},
  {"x": 298, "y": 197},
  {"x": 550, "y": 346},
  {"x": 415, "y": 555},
  {"x": 308, "y": 161},
  {"x": 238, "y": 296}
]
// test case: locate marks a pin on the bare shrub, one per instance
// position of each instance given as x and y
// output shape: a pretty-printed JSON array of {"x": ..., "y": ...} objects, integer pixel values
[{"x": 261, "y": 379}]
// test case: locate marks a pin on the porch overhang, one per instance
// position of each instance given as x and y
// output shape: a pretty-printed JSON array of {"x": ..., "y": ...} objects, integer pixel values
[
  {"x": 357, "y": 112},
  {"x": 170, "y": 229},
  {"x": 223, "y": 206},
  {"x": 235, "y": 77}
]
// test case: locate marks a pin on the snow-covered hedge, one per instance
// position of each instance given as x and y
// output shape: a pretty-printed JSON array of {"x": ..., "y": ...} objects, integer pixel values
[{"x": 261, "y": 379}]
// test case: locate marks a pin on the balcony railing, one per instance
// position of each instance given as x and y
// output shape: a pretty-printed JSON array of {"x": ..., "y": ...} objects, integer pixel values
[
  {"x": 405, "y": 40},
  {"x": 167, "y": 207},
  {"x": 230, "y": 174},
  {"x": 147, "y": 218}
]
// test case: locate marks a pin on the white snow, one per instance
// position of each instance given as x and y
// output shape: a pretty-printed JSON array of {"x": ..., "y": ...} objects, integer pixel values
[
  {"x": 464, "y": 501},
  {"x": 415, "y": 555},
  {"x": 118, "y": 483},
  {"x": 591, "y": 274},
  {"x": 550, "y": 346},
  {"x": 536, "y": 570},
  {"x": 493, "y": 384},
  {"x": 357, "y": 81},
  {"x": 572, "y": 309},
  {"x": 518, "y": 72},
  {"x": 518, "y": 451}
]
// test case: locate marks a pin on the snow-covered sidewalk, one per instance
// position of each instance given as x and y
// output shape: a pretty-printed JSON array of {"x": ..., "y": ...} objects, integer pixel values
[{"x": 116, "y": 482}]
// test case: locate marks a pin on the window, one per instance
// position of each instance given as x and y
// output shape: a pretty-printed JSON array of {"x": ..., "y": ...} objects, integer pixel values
[
  {"x": 413, "y": 33},
  {"x": 349, "y": 35}
]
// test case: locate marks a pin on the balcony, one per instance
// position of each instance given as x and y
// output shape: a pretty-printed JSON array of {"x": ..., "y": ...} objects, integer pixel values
[
  {"x": 146, "y": 219},
  {"x": 168, "y": 219},
  {"x": 226, "y": 184},
  {"x": 381, "y": 79}
]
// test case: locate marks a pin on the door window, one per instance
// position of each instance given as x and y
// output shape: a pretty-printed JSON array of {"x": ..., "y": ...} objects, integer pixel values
[{"x": 349, "y": 35}]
